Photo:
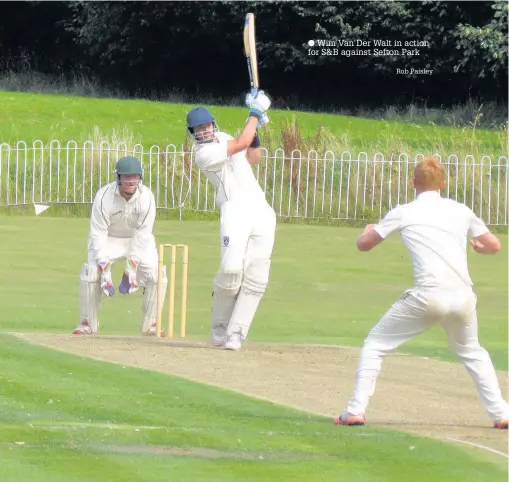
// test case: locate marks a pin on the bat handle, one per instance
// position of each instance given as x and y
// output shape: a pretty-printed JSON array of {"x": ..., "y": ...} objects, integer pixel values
[{"x": 254, "y": 92}]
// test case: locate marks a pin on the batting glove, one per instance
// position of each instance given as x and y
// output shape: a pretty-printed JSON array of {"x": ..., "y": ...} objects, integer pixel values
[
  {"x": 264, "y": 120},
  {"x": 249, "y": 99},
  {"x": 104, "y": 267},
  {"x": 259, "y": 100},
  {"x": 257, "y": 104},
  {"x": 129, "y": 283}
]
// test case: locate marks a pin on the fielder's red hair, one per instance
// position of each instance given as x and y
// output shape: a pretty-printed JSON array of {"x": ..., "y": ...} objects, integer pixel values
[{"x": 429, "y": 175}]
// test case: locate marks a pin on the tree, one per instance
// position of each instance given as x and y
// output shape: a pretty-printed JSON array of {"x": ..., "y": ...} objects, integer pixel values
[
  {"x": 44, "y": 45},
  {"x": 149, "y": 48},
  {"x": 484, "y": 48}
]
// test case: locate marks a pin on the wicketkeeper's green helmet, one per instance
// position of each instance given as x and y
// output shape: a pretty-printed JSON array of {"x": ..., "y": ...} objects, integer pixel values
[{"x": 128, "y": 165}]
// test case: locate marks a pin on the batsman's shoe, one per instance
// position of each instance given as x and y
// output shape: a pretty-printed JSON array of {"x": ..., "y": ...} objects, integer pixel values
[
  {"x": 500, "y": 424},
  {"x": 218, "y": 336},
  {"x": 83, "y": 329},
  {"x": 347, "y": 418},
  {"x": 219, "y": 342},
  {"x": 234, "y": 342}
]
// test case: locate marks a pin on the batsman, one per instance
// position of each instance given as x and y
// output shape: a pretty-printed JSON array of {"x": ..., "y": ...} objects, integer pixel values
[
  {"x": 247, "y": 221},
  {"x": 123, "y": 215}
]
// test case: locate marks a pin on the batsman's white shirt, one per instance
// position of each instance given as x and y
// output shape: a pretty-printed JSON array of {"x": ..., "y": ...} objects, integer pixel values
[
  {"x": 120, "y": 228},
  {"x": 435, "y": 230},
  {"x": 248, "y": 222},
  {"x": 232, "y": 177}
]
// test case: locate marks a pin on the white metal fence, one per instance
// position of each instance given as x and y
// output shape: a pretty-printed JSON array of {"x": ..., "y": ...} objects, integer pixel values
[{"x": 297, "y": 184}]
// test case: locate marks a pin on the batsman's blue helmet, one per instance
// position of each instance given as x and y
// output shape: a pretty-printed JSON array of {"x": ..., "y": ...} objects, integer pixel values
[{"x": 197, "y": 117}]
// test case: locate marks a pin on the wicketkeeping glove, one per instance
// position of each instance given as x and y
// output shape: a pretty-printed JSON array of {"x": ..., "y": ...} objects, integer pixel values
[
  {"x": 104, "y": 268},
  {"x": 129, "y": 284}
]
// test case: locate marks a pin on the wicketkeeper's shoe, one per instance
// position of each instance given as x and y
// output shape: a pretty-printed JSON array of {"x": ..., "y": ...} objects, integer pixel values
[
  {"x": 153, "y": 331},
  {"x": 501, "y": 424},
  {"x": 83, "y": 329},
  {"x": 347, "y": 418},
  {"x": 234, "y": 342}
]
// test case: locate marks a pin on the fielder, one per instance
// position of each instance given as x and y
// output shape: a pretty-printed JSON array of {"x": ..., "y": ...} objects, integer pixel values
[
  {"x": 247, "y": 221},
  {"x": 123, "y": 215},
  {"x": 435, "y": 231}
]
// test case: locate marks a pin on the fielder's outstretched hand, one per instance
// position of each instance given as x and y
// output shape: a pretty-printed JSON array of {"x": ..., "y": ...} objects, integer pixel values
[
  {"x": 477, "y": 246},
  {"x": 369, "y": 227}
]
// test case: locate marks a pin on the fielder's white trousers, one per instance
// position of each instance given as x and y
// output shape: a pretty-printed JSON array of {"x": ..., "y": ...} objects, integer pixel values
[{"x": 415, "y": 312}]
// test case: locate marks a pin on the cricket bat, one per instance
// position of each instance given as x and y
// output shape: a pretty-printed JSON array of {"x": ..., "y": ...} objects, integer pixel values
[{"x": 250, "y": 52}]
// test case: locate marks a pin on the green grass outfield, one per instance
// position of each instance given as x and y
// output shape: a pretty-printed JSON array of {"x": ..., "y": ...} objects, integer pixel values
[
  {"x": 28, "y": 116},
  {"x": 67, "y": 419},
  {"x": 322, "y": 290}
]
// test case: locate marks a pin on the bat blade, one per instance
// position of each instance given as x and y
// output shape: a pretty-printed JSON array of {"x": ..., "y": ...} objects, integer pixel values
[{"x": 250, "y": 51}]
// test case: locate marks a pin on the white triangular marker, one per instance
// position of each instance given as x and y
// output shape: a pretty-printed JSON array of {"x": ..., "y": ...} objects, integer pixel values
[{"x": 40, "y": 208}]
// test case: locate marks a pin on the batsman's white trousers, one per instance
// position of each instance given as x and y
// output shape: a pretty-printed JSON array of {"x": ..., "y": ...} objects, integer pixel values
[
  {"x": 118, "y": 249},
  {"x": 247, "y": 233},
  {"x": 415, "y": 312}
]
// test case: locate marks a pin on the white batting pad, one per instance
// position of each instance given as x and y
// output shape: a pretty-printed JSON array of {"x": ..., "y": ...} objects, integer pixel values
[
  {"x": 226, "y": 289},
  {"x": 147, "y": 274},
  {"x": 256, "y": 278},
  {"x": 149, "y": 305},
  {"x": 90, "y": 296}
]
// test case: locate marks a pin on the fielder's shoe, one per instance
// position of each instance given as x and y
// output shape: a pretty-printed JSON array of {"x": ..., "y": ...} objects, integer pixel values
[
  {"x": 501, "y": 424},
  {"x": 347, "y": 418},
  {"x": 83, "y": 329},
  {"x": 234, "y": 342}
]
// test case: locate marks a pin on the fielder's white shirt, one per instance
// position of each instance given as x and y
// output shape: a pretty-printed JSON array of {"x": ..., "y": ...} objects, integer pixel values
[
  {"x": 232, "y": 177},
  {"x": 113, "y": 216},
  {"x": 435, "y": 230}
]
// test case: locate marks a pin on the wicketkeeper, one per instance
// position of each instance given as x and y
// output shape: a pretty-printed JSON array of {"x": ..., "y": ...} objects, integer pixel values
[
  {"x": 248, "y": 222},
  {"x": 123, "y": 215}
]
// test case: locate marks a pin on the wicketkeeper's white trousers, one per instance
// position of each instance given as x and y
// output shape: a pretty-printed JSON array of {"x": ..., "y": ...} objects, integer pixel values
[
  {"x": 118, "y": 249},
  {"x": 415, "y": 312}
]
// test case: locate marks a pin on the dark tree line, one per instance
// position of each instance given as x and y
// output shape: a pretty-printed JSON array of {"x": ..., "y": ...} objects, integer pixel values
[{"x": 151, "y": 48}]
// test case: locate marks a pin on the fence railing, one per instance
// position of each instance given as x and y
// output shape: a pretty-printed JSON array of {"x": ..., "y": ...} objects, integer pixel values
[{"x": 297, "y": 184}]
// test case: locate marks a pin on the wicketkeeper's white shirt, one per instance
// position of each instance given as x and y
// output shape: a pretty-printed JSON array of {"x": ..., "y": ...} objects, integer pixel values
[
  {"x": 232, "y": 177},
  {"x": 113, "y": 216},
  {"x": 435, "y": 230}
]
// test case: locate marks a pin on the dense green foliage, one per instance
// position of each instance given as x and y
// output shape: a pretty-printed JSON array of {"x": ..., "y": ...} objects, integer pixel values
[{"x": 150, "y": 48}]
